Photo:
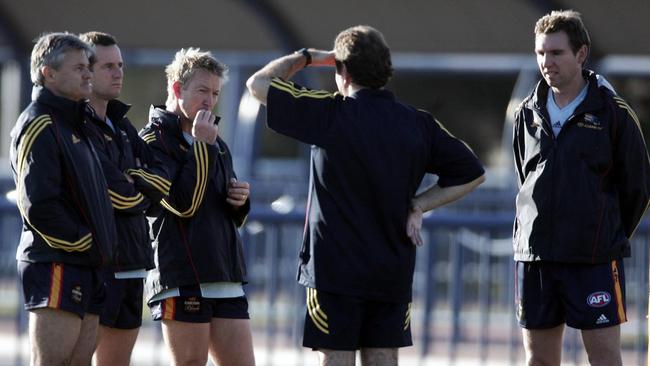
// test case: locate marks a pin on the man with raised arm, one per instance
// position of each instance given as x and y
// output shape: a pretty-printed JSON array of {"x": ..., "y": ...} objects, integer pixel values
[{"x": 369, "y": 156}]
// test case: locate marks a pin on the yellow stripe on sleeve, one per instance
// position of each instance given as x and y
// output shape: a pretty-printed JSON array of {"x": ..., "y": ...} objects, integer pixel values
[
  {"x": 30, "y": 135},
  {"x": 156, "y": 181},
  {"x": 201, "y": 156},
  {"x": 290, "y": 88},
  {"x": 623, "y": 105},
  {"x": 150, "y": 137}
]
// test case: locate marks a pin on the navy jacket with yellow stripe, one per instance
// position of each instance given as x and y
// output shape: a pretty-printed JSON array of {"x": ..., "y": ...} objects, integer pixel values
[
  {"x": 583, "y": 193},
  {"x": 125, "y": 157},
  {"x": 195, "y": 236},
  {"x": 61, "y": 191}
]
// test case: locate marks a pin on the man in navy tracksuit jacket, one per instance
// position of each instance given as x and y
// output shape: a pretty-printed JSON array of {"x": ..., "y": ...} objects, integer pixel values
[
  {"x": 584, "y": 184},
  {"x": 68, "y": 223},
  {"x": 196, "y": 288},
  {"x": 136, "y": 180}
]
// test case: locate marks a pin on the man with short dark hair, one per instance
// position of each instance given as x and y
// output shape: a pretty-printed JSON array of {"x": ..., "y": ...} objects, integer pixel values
[
  {"x": 68, "y": 224},
  {"x": 136, "y": 180},
  {"x": 584, "y": 184},
  {"x": 196, "y": 289},
  {"x": 370, "y": 155}
]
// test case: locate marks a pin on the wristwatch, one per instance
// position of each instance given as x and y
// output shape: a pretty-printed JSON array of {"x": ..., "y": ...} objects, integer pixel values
[{"x": 307, "y": 55}]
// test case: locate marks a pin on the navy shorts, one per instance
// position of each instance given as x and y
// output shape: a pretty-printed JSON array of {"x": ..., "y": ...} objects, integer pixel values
[
  {"x": 67, "y": 287},
  {"x": 123, "y": 306},
  {"x": 196, "y": 309},
  {"x": 345, "y": 323},
  {"x": 584, "y": 296}
]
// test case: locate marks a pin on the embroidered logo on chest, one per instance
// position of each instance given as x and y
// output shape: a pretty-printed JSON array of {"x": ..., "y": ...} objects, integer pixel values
[{"x": 591, "y": 121}]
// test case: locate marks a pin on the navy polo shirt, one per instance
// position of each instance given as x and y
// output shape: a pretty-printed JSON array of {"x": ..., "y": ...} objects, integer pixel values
[{"x": 369, "y": 155}]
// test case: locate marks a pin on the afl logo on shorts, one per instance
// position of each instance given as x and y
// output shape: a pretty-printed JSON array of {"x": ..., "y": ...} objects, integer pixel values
[{"x": 599, "y": 299}]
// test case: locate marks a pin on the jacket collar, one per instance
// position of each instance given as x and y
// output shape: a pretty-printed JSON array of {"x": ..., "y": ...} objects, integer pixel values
[
  {"x": 115, "y": 110},
  {"x": 593, "y": 100},
  {"x": 71, "y": 110},
  {"x": 168, "y": 121},
  {"x": 373, "y": 93}
]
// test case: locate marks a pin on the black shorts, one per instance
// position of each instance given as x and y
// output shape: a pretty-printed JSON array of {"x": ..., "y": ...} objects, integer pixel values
[
  {"x": 123, "y": 306},
  {"x": 344, "y": 323},
  {"x": 196, "y": 309},
  {"x": 584, "y": 296},
  {"x": 68, "y": 287}
]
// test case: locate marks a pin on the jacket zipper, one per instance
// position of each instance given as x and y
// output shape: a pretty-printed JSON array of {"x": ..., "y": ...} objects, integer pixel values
[{"x": 548, "y": 129}]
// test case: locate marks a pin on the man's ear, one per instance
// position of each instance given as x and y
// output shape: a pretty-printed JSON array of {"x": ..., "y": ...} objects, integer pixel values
[
  {"x": 177, "y": 86},
  {"x": 345, "y": 76},
  {"x": 582, "y": 54},
  {"x": 48, "y": 72}
]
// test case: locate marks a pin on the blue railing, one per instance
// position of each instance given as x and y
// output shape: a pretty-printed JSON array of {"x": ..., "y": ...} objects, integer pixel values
[
  {"x": 463, "y": 288},
  {"x": 463, "y": 304}
]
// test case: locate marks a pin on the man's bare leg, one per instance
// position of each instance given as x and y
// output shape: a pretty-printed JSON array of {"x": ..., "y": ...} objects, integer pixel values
[
  {"x": 53, "y": 335},
  {"x": 603, "y": 346},
  {"x": 114, "y": 346},
  {"x": 330, "y": 357},
  {"x": 543, "y": 346},
  {"x": 82, "y": 354},
  {"x": 379, "y": 357},
  {"x": 187, "y": 342},
  {"x": 231, "y": 342}
]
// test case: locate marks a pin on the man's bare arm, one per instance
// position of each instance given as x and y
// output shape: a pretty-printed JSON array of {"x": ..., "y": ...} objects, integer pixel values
[
  {"x": 284, "y": 67},
  {"x": 434, "y": 197}
]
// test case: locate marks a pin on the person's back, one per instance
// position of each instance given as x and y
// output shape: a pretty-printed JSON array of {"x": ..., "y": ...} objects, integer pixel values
[{"x": 369, "y": 156}]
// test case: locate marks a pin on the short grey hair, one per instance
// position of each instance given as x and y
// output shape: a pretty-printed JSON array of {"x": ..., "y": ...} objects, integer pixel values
[
  {"x": 187, "y": 61},
  {"x": 50, "y": 49}
]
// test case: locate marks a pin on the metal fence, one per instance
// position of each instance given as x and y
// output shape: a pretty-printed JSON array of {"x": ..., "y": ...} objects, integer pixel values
[
  {"x": 463, "y": 305},
  {"x": 463, "y": 291}
]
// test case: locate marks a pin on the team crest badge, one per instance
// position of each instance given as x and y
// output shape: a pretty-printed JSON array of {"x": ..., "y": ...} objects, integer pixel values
[
  {"x": 192, "y": 305},
  {"x": 76, "y": 294}
]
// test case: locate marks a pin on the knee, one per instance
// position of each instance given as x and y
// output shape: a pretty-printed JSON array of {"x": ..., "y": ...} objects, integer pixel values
[
  {"x": 540, "y": 359},
  {"x": 605, "y": 357},
  {"x": 47, "y": 360},
  {"x": 190, "y": 360}
]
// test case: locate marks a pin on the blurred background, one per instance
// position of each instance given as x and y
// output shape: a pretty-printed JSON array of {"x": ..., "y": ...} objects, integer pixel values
[{"x": 468, "y": 62}]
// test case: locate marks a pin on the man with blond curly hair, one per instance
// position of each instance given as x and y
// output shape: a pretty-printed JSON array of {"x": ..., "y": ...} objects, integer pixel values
[{"x": 196, "y": 287}]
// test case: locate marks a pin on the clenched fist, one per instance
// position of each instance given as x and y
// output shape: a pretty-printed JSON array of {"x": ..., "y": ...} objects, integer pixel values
[{"x": 203, "y": 128}]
